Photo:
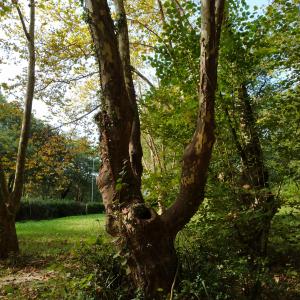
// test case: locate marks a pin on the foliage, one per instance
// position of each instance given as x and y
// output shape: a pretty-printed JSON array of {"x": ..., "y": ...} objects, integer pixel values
[
  {"x": 39, "y": 209},
  {"x": 251, "y": 54},
  {"x": 57, "y": 165}
]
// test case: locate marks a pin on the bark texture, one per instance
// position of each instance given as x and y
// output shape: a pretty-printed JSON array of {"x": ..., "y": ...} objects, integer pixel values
[
  {"x": 10, "y": 198},
  {"x": 145, "y": 237},
  {"x": 8, "y": 236},
  {"x": 135, "y": 147}
]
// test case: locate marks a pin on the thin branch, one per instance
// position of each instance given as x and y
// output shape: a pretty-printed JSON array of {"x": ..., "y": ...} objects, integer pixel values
[
  {"x": 145, "y": 26},
  {"x": 163, "y": 19},
  {"x": 67, "y": 81},
  {"x": 142, "y": 77},
  {"x": 182, "y": 12},
  {"x": 75, "y": 120},
  {"x": 162, "y": 13},
  {"x": 142, "y": 44},
  {"x": 153, "y": 32},
  {"x": 15, "y": 2}
]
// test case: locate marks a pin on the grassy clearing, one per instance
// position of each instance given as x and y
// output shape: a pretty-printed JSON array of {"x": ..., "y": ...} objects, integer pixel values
[
  {"x": 53, "y": 236},
  {"x": 73, "y": 258},
  {"x": 49, "y": 264}
]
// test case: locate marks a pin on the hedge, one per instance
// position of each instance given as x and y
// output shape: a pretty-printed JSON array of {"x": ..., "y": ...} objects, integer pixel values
[{"x": 51, "y": 209}]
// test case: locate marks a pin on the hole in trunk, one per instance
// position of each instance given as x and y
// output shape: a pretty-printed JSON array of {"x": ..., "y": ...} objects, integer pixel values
[{"x": 141, "y": 211}]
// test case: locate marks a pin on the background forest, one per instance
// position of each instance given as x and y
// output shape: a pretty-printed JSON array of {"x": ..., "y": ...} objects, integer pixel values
[{"x": 244, "y": 241}]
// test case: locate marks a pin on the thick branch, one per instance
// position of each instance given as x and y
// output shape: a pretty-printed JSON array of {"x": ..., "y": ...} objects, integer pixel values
[
  {"x": 24, "y": 136},
  {"x": 116, "y": 117},
  {"x": 198, "y": 153},
  {"x": 75, "y": 120},
  {"x": 238, "y": 144},
  {"x": 254, "y": 163},
  {"x": 135, "y": 147}
]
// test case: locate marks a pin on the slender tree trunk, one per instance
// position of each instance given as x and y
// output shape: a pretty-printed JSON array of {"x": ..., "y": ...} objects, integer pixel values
[
  {"x": 145, "y": 237},
  {"x": 10, "y": 199},
  {"x": 255, "y": 194},
  {"x": 255, "y": 180}
]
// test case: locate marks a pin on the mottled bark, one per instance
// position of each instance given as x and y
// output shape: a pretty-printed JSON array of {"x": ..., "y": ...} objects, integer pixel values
[
  {"x": 135, "y": 147},
  {"x": 146, "y": 237},
  {"x": 198, "y": 153}
]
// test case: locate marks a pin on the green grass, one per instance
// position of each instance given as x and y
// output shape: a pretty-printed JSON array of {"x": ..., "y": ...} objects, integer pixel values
[
  {"x": 54, "y": 236},
  {"x": 51, "y": 237},
  {"x": 51, "y": 254}
]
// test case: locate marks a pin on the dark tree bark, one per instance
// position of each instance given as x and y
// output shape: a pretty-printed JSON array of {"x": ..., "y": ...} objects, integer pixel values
[
  {"x": 10, "y": 200},
  {"x": 255, "y": 194},
  {"x": 146, "y": 237},
  {"x": 254, "y": 180}
]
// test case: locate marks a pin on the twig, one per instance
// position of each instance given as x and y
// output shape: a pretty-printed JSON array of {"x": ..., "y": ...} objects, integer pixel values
[
  {"x": 173, "y": 284},
  {"x": 76, "y": 120},
  {"x": 142, "y": 76}
]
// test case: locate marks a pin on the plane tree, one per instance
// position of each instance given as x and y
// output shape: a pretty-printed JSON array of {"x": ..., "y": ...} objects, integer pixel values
[{"x": 146, "y": 238}]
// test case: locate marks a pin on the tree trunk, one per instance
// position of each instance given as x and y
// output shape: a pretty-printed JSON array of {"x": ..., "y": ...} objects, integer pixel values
[
  {"x": 255, "y": 195},
  {"x": 8, "y": 236},
  {"x": 152, "y": 257}
]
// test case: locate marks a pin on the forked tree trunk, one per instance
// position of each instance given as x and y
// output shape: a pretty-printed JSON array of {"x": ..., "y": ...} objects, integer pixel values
[{"x": 146, "y": 239}]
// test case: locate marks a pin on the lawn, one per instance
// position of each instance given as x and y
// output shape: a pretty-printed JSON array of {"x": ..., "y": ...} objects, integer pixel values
[
  {"x": 53, "y": 236},
  {"x": 50, "y": 262},
  {"x": 73, "y": 258}
]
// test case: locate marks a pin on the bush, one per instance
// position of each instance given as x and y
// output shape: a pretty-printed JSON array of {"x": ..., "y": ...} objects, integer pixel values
[
  {"x": 49, "y": 209},
  {"x": 102, "y": 273}
]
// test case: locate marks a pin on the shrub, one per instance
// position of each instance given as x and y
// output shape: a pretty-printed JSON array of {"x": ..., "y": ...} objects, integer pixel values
[{"x": 38, "y": 209}]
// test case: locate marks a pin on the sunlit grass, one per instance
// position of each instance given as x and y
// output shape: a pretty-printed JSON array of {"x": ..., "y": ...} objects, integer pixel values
[{"x": 58, "y": 235}]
